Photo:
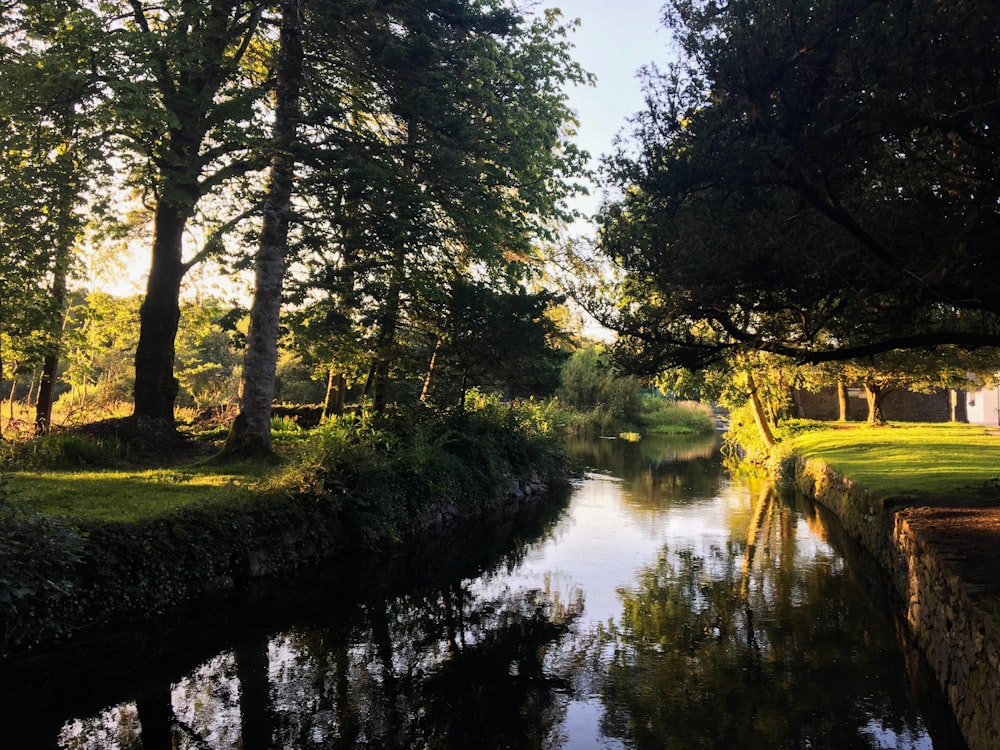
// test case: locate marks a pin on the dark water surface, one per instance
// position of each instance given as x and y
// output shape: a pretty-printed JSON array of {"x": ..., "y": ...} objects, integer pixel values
[{"x": 661, "y": 605}]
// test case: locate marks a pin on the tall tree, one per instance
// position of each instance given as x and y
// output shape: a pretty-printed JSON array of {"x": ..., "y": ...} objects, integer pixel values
[
  {"x": 451, "y": 151},
  {"x": 186, "y": 108},
  {"x": 251, "y": 432},
  {"x": 49, "y": 106},
  {"x": 814, "y": 179}
]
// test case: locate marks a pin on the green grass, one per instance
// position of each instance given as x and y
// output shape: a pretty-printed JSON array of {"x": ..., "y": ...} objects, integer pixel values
[
  {"x": 662, "y": 417},
  {"x": 127, "y": 496},
  {"x": 911, "y": 459}
]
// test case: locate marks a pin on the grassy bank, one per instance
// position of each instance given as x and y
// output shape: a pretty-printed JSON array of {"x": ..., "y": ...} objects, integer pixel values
[
  {"x": 645, "y": 415},
  {"x": 907, "y": 459},
  {"x": 103, "y": 539},
  {"x": 664, "y": 417}
]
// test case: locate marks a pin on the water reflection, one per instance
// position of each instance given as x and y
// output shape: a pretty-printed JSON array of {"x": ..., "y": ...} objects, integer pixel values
[
  {"x": 667, "y": 607},
  {"x": 757, "y": 644}
]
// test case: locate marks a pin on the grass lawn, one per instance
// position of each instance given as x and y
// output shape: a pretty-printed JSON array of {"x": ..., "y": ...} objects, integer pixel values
[
  {"x": 908, "y": 459},
  {"x": 124, "y": 496}
]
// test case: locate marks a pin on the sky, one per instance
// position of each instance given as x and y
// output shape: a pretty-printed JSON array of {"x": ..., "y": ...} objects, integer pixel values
[{"x": 614, "y": 40}]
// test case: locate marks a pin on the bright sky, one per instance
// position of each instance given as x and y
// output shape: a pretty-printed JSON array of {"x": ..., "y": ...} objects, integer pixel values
[{"x": 615, "y": 38}]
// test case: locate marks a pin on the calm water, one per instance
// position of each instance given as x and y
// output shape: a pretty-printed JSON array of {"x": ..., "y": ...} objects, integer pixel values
[{"x": 661, "y": 605}]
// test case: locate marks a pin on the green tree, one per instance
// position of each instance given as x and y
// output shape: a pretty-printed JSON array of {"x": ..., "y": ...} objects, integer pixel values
[
  {"x": 813, "y": 179},
  {"x": 208, "y": 362},
  {"x": 494, "y": 340},
  {"x": 50, "y": 107},
  {"x": 100, "y": 340},
  {"x": 444, "y": 145},
  {"x": 186, "y": 106},
  {"x": 919, "y": 372}
]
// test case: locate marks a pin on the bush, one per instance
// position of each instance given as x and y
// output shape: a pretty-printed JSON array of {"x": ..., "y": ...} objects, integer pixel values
[
  {"x": 605, "y": 402},
  {"x": 390, "y": 470},
  {"x": 63, "y": 451},
  {"x": 287, "y": 430}
]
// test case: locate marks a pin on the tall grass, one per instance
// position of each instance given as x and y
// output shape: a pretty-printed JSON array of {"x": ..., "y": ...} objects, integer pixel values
[
  {"x": 382, "y": 469},
  {"x": 660, "y": 416}
]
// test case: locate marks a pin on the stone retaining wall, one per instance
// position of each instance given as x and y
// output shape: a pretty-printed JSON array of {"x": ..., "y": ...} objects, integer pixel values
[
  {"x": 123, "y": 572},
  {"x": 960, "y": 641}
]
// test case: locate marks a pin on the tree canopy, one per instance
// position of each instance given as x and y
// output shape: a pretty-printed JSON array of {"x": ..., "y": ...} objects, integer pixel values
[
  {"x": 424, "y": 150},
  {"x": 817, "y": 180}
]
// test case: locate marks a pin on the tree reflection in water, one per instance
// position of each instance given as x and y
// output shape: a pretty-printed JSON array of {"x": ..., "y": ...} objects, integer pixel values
[
  {"x": 453, "y": 671},
  {"x": 735, "y": 625},
  {"x": 445, "y": 671},
  {"x": 752, "y": 646}
]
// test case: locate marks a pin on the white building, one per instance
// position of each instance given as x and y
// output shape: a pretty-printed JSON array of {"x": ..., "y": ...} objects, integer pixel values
[{"x": 983, "y": 406}]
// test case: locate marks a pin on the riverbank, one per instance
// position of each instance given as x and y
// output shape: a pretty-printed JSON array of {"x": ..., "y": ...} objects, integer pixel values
[
  {"x": 69, "y": 564},
  {"x": 940, "y": 551}
]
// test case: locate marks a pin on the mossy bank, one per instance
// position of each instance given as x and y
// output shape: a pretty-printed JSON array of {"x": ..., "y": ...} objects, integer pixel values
[
  {"x": 357, "y": 488},
  {"x": 950, "y": 616}
]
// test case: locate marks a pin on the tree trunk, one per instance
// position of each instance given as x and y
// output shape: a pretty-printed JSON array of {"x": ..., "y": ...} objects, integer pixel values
[
  {"x": 341, "y": 400},
  {"x": 13, "y": 393},
  {"x": 386, "y": 340},
  {"x": 874, "y": 392},
  {"x": 430, "y": 371},
  {"x": 156, "y": 387},
  {"x": 251, "y": 431},
  {"x": 336, "y": 397},
  {"x": 841, "y": 401},
  {"x": 50, "y": 365},
  {"x": 46, "y": 389},
  {"x": 766, "y": 436},
  {"x": 328, "y": 396},
  {"x": 256, "y": 711},
  {"x": 389, "y": 319},
  {"x": 66, "y": 226},
  {"x": 463, "y": 390}
]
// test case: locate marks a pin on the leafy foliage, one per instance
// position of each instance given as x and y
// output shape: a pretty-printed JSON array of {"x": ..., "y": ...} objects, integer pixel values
[
  {"x": 439, "y": 154},
  {"x": 662, "y": 416},
  {"x": 62, "y": 451},
  {"x": 385, "y": 468},
  {"x": 39, "y": 558},
  {"x": 813, "y": 179},
  {"x": 590, "y": 385}
]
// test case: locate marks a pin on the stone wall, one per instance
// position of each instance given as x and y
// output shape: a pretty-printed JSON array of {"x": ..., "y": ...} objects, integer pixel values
[
  {"x": 960, "y": 640},
  {"x": 128, "y": 572},
  {"x": 897, "y": 406}
]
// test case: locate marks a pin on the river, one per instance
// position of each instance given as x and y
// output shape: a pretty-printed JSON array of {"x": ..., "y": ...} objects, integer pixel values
[{"x": 661, "y": 604}]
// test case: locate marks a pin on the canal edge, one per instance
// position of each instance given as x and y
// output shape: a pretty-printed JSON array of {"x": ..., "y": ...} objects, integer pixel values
[{"x": 960, "y": 640}]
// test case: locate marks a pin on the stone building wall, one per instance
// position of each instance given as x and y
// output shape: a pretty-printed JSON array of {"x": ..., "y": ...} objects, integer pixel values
[{"x": 897, "y": 406}]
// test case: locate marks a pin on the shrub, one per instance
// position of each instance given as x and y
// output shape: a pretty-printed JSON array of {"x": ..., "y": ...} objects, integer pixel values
[
  {"x": 391, "y": 469},
  {"x": 606, "y": 402}
]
